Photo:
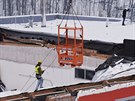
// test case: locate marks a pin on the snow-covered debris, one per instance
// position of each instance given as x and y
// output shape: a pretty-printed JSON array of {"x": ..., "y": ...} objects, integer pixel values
[
  {"x": 115, "y": 67},
  {"x": 2, "y": 86},
  {"x": 9, "y": 93}
]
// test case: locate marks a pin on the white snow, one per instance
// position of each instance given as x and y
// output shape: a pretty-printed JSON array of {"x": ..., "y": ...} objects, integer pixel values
[
  {"x": 104, "y": 89},
  {"x": 9, "y": 93},
  {"x": 117, "y": 71},
  {"x": 15, "y": 75},
  {"x": 93, "y": 30}
]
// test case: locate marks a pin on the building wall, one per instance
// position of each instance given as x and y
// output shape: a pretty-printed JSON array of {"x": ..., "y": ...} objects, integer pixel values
[
  {"x": 38, "y": 18},
  {"x": 31, "y": 55},
  {"x": 124, "y": 94}
]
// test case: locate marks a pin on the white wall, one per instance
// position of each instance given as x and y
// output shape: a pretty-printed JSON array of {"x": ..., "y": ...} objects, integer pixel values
[
  {"x": 31, "y": 55},
  {"x": 16, "y": 60}
]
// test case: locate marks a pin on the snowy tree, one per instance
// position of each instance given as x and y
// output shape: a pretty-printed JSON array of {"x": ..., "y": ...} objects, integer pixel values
[{"x": 110, "y": 8}]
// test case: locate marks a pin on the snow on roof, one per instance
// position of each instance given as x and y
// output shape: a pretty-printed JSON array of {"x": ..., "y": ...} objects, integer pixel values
[
  {"x": 16, "y": 76},
  {"x": 9, "y": 93},
  {"x": 58, "y": 14},
  {"x": 104, "y": 89},
  {"x": 19, "y": 16},
  {"x": 93, "y": 30}
]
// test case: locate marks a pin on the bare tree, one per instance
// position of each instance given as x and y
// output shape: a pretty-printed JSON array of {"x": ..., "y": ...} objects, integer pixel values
[
  {"x": 41, "y": 6},
  {"x": 52, "y": 8},
  {"x": 48, "y": 6},
  {"x": 90, "y": 2},
  {"x": 18, "y": 7},
  {"x": 43, "y": 14},
  {"x": 33, "y": 5},
  {"x": 117, "y": 8},
  {"x": 65, "y": 6},
  {"x": 93, "y": 7},
  {"x": 4, "y": 7},
  {"x": 131, "y": 4},
  {"x": 57, "y": 8},
  {"x": 24, "y": 2},
  {"x": 109, "y": 7},
  {"x": 9, "y": 7}
]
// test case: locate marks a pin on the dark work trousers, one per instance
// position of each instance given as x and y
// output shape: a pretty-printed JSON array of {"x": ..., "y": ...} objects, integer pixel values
[{"x": 123, "y": 22}]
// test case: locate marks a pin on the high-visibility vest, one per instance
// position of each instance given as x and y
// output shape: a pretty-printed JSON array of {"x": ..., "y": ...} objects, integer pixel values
[{"x": 37, "y": 70}]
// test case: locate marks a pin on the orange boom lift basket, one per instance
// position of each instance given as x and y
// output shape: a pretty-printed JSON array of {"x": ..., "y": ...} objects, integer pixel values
[{"x": 70, "y": 46}]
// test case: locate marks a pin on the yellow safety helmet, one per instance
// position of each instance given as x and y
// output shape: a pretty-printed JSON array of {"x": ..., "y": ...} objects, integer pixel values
[{"x": 39, "y": 61}]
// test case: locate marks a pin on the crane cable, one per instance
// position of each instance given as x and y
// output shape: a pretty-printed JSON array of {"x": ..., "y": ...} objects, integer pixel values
[
  {"x": 34, "y": 72},
  {"x": 70, "y": 5},
  {"x": 67, "y": 12},
  {"x": 63, "y": 18},
  {"x": 52, "y": 49},
  {"x": 76, "y": 15},
  {"x": 44, "y": 70}
]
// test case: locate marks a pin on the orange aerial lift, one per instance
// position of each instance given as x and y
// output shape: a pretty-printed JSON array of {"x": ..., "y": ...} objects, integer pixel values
[{"x": 70, "y": 51}]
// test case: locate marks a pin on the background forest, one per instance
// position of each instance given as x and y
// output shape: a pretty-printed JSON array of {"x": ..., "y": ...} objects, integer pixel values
[{"x": 103, "y": 8}]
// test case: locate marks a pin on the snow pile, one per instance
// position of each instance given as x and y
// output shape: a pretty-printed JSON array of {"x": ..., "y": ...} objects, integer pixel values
[{"x": 114, "y": 67}]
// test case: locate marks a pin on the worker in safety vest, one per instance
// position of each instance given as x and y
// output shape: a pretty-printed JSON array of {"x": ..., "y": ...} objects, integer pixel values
[{"x": 39, "y": 73}]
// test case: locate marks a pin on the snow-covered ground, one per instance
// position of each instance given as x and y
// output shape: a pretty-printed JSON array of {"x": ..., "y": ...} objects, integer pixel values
[
  {"x": 15, "y": 75},
  {"x": 9, "y": 93},
  {"x": 93, "y": 30}
]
